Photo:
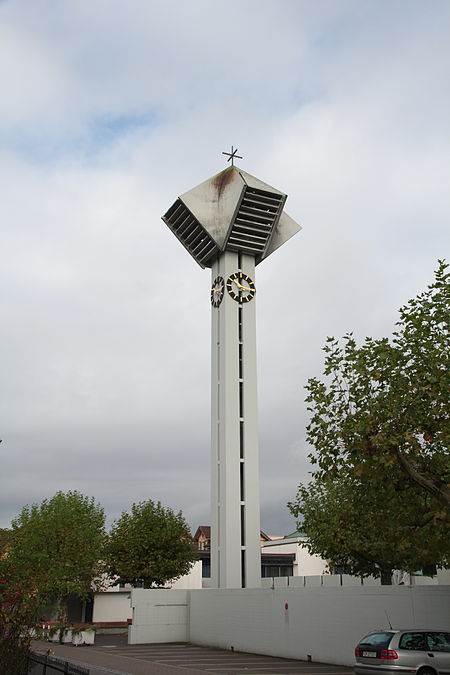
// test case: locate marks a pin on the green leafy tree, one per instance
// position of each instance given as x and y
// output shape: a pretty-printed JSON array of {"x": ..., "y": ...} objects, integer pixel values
[
  {"x": 151, "y": 545},
  {"x": 59, "y": 544},
  {"x": 371, "y": 531},
  {"x": 20, "y": 603},
  {"x": 380, "y": 429}
]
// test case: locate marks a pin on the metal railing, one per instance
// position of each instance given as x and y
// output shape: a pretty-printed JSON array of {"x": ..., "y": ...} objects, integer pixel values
[{"x": 46, "y": 664}]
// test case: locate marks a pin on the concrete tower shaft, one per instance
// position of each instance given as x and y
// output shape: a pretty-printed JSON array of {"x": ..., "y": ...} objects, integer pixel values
[{"x": 235, "y": 550}]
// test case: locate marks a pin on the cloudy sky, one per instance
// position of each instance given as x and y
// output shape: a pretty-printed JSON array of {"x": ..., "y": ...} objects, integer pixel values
[{"x": 109, "y": 110}]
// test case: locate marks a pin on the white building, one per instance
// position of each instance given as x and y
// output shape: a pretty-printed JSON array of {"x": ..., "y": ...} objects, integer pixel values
[{"x": 305, "y": 563}]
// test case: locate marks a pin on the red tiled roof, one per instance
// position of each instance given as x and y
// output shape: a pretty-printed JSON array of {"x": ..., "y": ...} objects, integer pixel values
[{"x": 205, "y": 530}]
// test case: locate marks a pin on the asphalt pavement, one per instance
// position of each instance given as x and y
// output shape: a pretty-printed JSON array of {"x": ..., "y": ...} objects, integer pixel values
[{"x": 111, "y": 655}]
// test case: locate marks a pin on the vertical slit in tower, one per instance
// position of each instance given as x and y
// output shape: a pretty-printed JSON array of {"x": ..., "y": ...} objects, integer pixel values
[
  {"x": 243, "y": 526},
  {"x": 241, "y": 439},
  {"x": 240, "y": 334},
  {"x": 241, "y": 400}
]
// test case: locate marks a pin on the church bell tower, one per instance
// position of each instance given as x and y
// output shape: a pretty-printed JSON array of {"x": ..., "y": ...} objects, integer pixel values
[{"x": 231, "y": 223}]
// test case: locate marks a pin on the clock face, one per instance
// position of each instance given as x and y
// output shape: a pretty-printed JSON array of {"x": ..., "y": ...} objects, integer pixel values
[
  {"x": 217, "y": 290},
  {"x": 241, "y": 287}
]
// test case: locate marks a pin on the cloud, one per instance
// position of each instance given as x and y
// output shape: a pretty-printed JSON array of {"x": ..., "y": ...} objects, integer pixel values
[{"x": 109, "y": 113}]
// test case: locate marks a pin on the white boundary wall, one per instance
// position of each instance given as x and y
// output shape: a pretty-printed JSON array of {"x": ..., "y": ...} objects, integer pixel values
[
  {"x": 159, "y": 616},
  {"x": 324, "y": 623}
]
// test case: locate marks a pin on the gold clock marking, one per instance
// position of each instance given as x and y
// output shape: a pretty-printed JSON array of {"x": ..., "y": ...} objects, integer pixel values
[
  {"x": 244, "y": 292},
  {"x": 217, "y": 291}
]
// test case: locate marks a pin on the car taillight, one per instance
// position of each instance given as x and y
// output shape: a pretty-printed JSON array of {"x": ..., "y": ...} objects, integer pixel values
[
  {"x": 357, "y": 651},
  {"x": 388, "y": 654}
]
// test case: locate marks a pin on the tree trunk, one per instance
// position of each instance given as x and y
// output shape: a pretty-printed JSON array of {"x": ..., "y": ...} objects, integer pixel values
[{"x": 63, "y": 610}]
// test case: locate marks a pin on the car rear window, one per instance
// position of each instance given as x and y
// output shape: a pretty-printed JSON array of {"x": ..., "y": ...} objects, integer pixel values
[{"x": 376, "y": 639}]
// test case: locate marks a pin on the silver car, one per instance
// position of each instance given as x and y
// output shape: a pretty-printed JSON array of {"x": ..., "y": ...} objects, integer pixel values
[{"x": 403, "y": 651}]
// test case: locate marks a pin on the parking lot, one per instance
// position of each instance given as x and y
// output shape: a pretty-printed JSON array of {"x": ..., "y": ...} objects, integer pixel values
[
  {"x": 222, "y": 661},
  {"x": 111, "y": 654}
]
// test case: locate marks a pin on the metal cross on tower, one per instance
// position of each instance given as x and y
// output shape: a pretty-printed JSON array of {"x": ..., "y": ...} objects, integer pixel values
[
  {"x": 232, "y": 155},
  {"x": 230, "y": 223}
]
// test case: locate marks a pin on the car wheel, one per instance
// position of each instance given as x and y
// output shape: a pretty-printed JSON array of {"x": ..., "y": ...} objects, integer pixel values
[{"x": 426, "y": 671}]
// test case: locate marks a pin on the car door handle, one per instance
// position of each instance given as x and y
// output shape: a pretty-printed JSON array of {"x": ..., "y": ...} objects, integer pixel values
[{"x": 430, "y": 654}]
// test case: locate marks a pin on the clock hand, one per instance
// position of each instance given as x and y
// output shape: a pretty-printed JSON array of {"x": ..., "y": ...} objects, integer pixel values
[{"x": 244, "y": 288}]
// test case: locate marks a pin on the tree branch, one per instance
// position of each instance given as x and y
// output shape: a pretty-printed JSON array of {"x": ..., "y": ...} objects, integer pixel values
[{"x": 441, "y": 493}]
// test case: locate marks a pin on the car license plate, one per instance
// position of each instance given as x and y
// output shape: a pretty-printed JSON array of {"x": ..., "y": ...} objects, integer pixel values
[{"x": 370, "y": 654}]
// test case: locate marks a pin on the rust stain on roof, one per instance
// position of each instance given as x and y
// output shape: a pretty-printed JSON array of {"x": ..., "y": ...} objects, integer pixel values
[{"x": 222, "y": 180}]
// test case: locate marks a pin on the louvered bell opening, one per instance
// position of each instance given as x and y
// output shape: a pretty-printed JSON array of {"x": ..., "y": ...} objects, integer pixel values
[
  {"x": 190, "y": 233},
  {"x": 255, "y": 220}
]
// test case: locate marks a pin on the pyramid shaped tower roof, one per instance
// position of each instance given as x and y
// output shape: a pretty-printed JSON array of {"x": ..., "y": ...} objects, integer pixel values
[{"x": 232, "y": 210}]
